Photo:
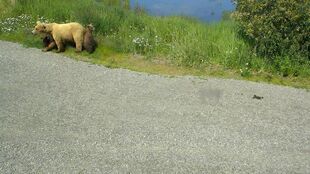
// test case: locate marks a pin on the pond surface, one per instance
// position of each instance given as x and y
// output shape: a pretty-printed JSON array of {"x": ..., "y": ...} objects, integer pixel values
[{"x": 206, "y": 10}]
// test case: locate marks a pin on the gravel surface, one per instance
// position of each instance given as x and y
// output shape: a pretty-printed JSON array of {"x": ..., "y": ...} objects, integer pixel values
[{"x": 58, "y": 115}]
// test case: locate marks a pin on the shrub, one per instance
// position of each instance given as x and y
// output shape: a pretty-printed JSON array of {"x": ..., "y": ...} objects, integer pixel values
[{"x": 275, "y": 27}]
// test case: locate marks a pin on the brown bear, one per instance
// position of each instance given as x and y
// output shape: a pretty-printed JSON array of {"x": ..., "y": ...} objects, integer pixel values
[
  {"x": 63, "y": 33},
  {"x": 89, "y": 43},
  {"x": 48, "y": 42}
]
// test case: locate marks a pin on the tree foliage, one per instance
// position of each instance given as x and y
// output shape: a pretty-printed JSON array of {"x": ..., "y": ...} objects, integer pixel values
[{"x": 275, "y": 27}]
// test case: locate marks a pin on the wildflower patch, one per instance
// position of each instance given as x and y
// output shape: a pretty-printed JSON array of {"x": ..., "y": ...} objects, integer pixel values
[{"x": 13, "y": 24}]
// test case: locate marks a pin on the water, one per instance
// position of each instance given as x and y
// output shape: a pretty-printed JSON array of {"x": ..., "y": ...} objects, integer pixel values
[{"x": 206, "y": 10}]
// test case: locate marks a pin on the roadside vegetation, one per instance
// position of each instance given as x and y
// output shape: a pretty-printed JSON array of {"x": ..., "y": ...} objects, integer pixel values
[{"x": 166, "y": 45}]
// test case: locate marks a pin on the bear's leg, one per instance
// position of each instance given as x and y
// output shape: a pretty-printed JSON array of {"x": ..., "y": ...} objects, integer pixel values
[
  {"x": 78, "y": 39},
  {"x": 60, "y": 46},
  {"x": 78, "y": 47},
  {"x": 50, "y": 46}
]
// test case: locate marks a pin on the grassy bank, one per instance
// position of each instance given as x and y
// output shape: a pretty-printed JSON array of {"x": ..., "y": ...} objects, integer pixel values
[{"x": 166, "y": 45}]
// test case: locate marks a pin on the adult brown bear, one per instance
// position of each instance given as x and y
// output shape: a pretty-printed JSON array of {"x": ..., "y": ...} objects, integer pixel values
[
  {"x": 63, "y": 33},
  {"x": 89, "y": 43}
]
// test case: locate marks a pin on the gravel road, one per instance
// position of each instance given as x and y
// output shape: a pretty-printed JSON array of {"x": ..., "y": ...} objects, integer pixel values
[{"x": 58, "y": 115}]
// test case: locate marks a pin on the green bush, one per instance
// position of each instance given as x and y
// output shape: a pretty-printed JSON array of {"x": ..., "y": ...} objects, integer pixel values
[{"x": 276, "y": 27}]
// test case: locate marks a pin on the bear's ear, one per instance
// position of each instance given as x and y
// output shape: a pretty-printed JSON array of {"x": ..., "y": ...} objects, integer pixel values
[
  {"x": 38, "y": 22},
  {"x": 91, "y": 27}
]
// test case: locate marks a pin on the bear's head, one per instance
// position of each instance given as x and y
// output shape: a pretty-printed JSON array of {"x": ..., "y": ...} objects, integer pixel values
[
  {"x": 90, "y": 27},
  {"x": 41, "y": 28}
]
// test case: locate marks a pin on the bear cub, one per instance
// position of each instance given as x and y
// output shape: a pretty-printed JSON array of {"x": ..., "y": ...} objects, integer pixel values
[
  {"x": 89, "y": 43},
  {"x": 48, "y": 42}
]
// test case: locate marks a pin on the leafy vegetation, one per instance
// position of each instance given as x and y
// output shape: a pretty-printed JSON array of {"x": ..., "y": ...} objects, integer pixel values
[
  {"x": 276, "y": 27},
  {"x": 179, "y": 42}
]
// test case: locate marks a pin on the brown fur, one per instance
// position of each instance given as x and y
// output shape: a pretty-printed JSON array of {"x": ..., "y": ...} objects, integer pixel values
[
  {"x": 48, "y": 42},
  {"x": 89, "y": 43}
]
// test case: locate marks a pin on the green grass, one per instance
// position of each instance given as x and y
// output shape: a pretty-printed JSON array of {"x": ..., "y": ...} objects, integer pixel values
[{"x": 165, "y": 45}]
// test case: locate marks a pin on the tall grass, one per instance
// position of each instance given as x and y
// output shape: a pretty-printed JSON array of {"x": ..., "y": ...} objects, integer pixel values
[{"x": 178, "y": 40}]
